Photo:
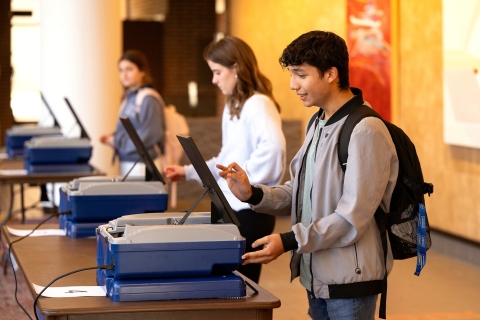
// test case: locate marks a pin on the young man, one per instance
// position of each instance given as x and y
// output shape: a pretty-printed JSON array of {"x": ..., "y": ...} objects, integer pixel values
[{"x": 335, "y": 242}]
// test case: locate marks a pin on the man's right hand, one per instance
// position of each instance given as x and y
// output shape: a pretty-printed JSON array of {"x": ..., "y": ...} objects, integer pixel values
[{"x": 237, "y": 180}]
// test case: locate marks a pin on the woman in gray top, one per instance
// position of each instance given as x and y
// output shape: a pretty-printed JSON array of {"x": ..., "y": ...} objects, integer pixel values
[{"x": 143, "y": 105}]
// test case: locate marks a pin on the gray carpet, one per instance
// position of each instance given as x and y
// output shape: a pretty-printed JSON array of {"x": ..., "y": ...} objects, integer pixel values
[{"x": 9, "y": 308}]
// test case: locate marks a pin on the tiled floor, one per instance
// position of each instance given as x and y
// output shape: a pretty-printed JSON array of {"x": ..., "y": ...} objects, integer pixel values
[{"x": 446, "y": 290}]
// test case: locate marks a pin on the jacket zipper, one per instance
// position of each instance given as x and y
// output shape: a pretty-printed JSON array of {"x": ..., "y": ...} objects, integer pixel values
[
  {"x": 296, "y": 199},
  {"x": 296, "y": 202},
  {"x": 311, "y": 190},
  {"x": 357, "y": 269}
]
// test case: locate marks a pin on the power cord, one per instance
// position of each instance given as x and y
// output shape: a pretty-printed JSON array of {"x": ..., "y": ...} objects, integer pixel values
[
  {"x": 105, "y": 266},
  {"x": 11, "y": 262}
]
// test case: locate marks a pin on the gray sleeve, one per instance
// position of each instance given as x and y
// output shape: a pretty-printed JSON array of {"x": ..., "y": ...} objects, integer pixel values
[
  {"x": 276, "y": 200},
  {"x": 149, "y": 124}
]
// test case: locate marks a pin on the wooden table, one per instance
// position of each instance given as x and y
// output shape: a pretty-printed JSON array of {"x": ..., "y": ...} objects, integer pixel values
[
  {"x": 36, "y": 179},
  {"x": 42, "y": 259}
]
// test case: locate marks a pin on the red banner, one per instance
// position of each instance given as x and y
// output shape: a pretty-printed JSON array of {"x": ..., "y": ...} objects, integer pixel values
[{"x": 369, "y": 46}]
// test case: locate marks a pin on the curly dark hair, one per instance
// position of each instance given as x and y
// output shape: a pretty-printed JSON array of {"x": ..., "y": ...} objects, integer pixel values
[{"x": 321, "y": 49}]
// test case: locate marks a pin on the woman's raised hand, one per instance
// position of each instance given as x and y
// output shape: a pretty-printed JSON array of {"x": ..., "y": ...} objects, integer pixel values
[{"x": 174, "y": 173}]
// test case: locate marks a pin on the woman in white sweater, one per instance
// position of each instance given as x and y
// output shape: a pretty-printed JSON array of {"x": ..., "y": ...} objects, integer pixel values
[{"x": 251, "y": 134}]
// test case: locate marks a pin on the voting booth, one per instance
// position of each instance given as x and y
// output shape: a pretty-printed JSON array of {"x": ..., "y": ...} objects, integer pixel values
[
  {"x": 162, "y": 256},
  {"x": 93, "y": 201},
  {"x": 17, "y": 135},
  {"x": 57, "y": 153}
]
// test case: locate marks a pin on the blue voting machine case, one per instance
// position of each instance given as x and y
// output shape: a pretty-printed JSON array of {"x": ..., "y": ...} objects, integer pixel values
[
  {"x": 16, "y": 136},
  {"x": 160, "y": 251},
  {"x": 59, "y": 154},
  {"x": 104, "y": 201},
  {"x": 93, "y": 201},
  {"x": 221, "y": 286},
  {"x": 162, "y": 256}
]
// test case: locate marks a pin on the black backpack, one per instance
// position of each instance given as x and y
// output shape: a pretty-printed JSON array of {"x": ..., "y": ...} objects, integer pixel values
[{"x": 408, "y": 195}]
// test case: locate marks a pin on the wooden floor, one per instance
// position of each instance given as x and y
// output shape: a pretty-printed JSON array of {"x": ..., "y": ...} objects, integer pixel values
[{"x": 447, "y": 289}]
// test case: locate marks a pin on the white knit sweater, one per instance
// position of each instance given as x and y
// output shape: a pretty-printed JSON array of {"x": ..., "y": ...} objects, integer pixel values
[{"x": 255, "y": 141}]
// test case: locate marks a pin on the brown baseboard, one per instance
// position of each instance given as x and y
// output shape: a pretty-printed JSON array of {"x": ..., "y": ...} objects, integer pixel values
[{"x": 457, "y": 247}]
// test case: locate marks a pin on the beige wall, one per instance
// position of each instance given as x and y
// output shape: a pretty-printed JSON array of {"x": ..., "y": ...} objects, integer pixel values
[
  {"x": 455, "y": 170},
  {"x": 269, "y": 25}
]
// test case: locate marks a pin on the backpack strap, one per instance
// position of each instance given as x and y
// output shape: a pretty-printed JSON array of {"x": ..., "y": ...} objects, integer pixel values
[
  {"x": 311, "y": 121},
  {"x": 147, "y": 91},
  {"x": 352, "y": 120},
  {"x": 381, "y": 224},
  {"x": 357, "y": 115}
]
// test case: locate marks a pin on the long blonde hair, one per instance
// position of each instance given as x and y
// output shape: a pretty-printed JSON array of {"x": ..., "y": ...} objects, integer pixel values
[{"x": 231, "y": 51}]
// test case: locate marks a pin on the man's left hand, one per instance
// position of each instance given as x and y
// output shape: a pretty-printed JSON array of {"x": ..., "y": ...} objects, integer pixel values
[{"x": 272, "y": 249}]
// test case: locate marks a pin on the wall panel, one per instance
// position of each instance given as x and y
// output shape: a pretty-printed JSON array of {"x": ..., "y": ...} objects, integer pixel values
[{"x": 455, "y": 171}]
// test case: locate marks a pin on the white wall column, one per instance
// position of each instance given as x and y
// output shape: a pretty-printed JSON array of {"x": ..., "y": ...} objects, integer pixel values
[{"x": 80, "y": 46}]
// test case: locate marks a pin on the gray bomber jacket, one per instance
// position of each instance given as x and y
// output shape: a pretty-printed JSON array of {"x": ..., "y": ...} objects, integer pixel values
[{"x": 343, "y": 238}]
